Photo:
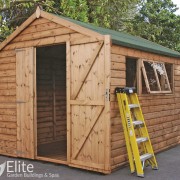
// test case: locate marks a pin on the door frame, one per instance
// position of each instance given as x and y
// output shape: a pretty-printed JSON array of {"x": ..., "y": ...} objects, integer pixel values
[
  {"x": 107, "y": 168},
  {"x": 35, "y": 104},
  {"x": 68, "y": 106},
  {"x": 35, "y": 109}
]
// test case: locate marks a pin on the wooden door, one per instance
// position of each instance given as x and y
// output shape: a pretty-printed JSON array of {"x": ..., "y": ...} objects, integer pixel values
[
  {"x": 89, "y": 122},
  {"x": 24, "y": 97}
]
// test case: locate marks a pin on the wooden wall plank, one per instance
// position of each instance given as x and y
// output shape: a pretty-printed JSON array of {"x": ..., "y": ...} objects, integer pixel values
[
  {"x": 70, "y": 25},
  {"x": 38, "y": 26},
  {"x": 45, "y": 41},
  {"x": 43, "y": 34},
  {"x": 38, "y": 42},
  {"x": 7, "y": 54},
  {"x": 125, "y": 51}
]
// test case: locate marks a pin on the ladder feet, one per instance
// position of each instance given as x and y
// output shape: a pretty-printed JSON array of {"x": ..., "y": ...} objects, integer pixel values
[
  {"x": 140, "y": 175},
  {"x": 155, "y": 168}
]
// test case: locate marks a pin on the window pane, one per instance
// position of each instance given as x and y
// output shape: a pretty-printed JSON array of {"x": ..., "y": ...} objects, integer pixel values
[
  {"x": 169, "y": 70},
  {"x": 151, "y": 76},
  {"x": 131, "y": 80},
  {"x": 144, "y": 88},
  {"x": 162, "y": 76}
]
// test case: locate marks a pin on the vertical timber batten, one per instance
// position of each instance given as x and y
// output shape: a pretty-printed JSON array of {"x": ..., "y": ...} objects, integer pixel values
[
  {"x": 35, "y": 104},
  {"x": 68, "y": 107},
  {"x": 107, "y": 102},
  {"x": 25, "y": 102}
]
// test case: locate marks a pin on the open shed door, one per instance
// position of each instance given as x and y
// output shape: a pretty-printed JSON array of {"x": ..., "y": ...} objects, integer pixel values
[
  {"x": 24, "y": 99},
  {"x": 89, "y": 121}
]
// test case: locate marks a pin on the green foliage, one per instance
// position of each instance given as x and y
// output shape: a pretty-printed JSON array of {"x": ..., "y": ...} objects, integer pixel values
[
  {"x": 105, "y": 13},
  {"x": 154, "y": 20},
  {"x": 14, "y": 12},
  {"x": 76, "y": 9},
  {"x": 157, "y": 22},
  {"x": 111, "y": 13}
]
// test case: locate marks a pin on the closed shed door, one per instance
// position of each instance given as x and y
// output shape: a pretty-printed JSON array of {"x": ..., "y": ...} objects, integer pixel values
[
  {"x": 24, "y": 98},
  {"x": 87, "y": 106}
]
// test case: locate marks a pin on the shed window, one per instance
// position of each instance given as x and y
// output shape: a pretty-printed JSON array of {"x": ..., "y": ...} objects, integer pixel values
[
  {"x": 156, "y": 77},
  {"x": 131, "y": 72}
]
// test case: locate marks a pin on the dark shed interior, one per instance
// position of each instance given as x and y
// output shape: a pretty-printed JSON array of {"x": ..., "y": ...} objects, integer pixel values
[{"x": 51, "y": 102}]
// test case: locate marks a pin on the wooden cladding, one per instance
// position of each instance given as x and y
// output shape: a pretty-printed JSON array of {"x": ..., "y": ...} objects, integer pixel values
[
  {"x": 8, "y": 113},
  {"x": 160, "y": 110},
  {"x": 86, "y": 83},
  {"x": 25, "y": 101}
]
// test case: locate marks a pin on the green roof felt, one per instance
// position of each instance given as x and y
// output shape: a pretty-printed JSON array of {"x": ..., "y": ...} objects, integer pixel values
[{"x": 127, "y": 40}]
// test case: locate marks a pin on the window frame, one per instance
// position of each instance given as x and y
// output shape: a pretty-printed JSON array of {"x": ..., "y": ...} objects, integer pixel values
[{"x": 141, "y": 73}]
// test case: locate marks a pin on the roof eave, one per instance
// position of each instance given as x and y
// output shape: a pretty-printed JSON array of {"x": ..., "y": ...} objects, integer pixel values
[{"x": 124, "y": 44}]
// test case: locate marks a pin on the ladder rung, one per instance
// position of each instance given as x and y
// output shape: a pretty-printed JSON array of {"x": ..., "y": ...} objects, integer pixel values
[
  {"x": 137, "y": 122},
  {"x": 133, "y": 106},
  {"x": 145, "y": 156},
  {"x": 141, "y": 139}
]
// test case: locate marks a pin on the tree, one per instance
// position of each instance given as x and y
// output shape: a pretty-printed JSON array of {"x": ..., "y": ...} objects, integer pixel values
[
  {"x": 14, "y": 12},
  {"x": 76, "y": 9},
  {"x": 111, "y": 14},
  {"x": 157, "y": 22},
  {"x": 106, "y": 13}
]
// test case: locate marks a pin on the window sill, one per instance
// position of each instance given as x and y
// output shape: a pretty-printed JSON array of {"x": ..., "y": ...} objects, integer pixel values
[{"x": 157, "y": 94}]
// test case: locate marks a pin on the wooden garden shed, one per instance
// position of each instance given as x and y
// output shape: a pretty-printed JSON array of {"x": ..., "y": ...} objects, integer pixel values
[{"x": 57, "y": 101}]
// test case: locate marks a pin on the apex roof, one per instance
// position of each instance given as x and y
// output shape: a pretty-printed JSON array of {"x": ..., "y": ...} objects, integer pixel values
[{"x": 118, "y": 38}]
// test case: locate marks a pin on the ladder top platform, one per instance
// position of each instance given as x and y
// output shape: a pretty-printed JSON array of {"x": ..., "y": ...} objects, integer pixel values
[{"x": 127, "y": 90}]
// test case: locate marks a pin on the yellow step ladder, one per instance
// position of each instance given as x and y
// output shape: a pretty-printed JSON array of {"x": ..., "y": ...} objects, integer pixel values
[{"x": 139, "y": 148}]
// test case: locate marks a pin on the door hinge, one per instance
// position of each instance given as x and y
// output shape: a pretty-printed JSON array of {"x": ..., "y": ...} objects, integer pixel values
[{"x": 107, "y": 95}]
